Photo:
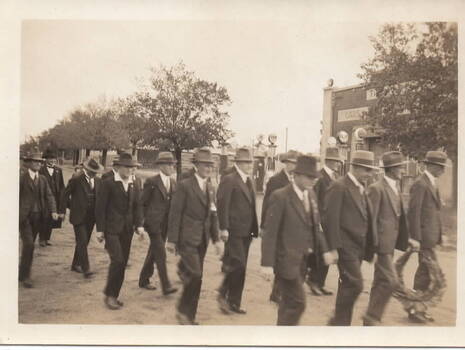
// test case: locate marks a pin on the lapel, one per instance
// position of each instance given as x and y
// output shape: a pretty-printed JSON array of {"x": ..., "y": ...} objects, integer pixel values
[
  {"x": 284, "y": 179},
  {"x": 243, "y": 187},
  {"x": 326, "y": 177},
  {"x": 29, "y": 180},
  {"x": 393, "y": 198},
  {"x": 195, "y": 185},
  {"x": 298, "y": 205},
  {"x": 355, "y": 194},
  {"x": 161, "y": 186},
  {"x": 432, "y": 189}
]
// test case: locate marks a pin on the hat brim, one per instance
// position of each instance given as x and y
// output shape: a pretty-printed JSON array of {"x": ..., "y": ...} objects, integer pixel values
[
  {"x": 312, "y": 174},
  {"x": 131, "y": 164},
  {"x": 393, "y": 165},
  {"x": 203, "y": 161},
  {"x": 33, "y": 159},
  {"x": 334, "y": 158},
  {"x": 365, "y": 165},
  {"x": 437, "y": 163},
  {"x": 294, "y": 161},
  {"x": 165, "y": 162}
]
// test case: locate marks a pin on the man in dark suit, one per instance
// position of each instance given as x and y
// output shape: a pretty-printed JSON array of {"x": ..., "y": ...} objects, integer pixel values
[
  {"x": 80, "y": 193},
  {"x": 238, "y": 224},
  {"x": 192, "y": 223},
  {"x": 54, "y": 177},
  {"x": 317, "y": 270},
  {"x": 292, "y": 231},
  {"x": 348, "y": 229},
  {"x": 424, "y": 217},
  {"x": 112, "y": 172},
  {"x": 277, "y": 181},
  {"x": 390, "y": 226},
  {"x": 156, "y": 200},
  {"x": 118, "y": 212},
  {"x": 36, "y": 204}
]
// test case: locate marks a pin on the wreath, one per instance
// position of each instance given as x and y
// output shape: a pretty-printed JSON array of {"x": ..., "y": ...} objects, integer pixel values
[{"x": 415, "y": 300}]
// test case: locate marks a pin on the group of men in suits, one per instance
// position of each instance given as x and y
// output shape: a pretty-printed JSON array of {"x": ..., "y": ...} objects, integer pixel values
[{"x": 310, "y": 219}]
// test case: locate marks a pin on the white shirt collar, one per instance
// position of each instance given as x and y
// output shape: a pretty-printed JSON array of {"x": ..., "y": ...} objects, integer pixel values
[
  {"x": 392, "y": 183},
  {"x": 243, "y": 175},
  {"x": 430, "y": 177},
  {"x": 355, "y": 181},
  {"x": 201, "y": 181},
  {"x": 165, "y": 179},
  {"x": 32, "y": 174},
  {"x": 50, "y": 170},
  {"x": 118, "y": 178},
  {"x": 289, "y": 176},
  {"x": 329, "y": 171},
  {"x": 298, "y": 191}
]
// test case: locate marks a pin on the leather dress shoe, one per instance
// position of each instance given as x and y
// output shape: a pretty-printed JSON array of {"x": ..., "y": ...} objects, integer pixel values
[
  {"x": 77, "y": 269},
  {"x": 428, "y": 317},
  {"x": 370, "y": 321},
  {"x": 223, "y": 304},
  {"x": 42, "y": 243},
  {"x": 325, "y": 291},
  {"x": 274, "y": 298},
  {"x": 169, "y": 290},
  {"x": 417, "y": 318},
  {"x": 237, "y": 309},
  {"x": 112, "y": 303},
  {"x": 183, "y": 319},
  {"x": 147, "y": 286},
  {"x": 120, "y": 303},
  {"x": 315, "y": 289},
  {"x": 88, "y": 274},
  {"x": 48, "y": 243},
  {"x": 27, "y": 283}
]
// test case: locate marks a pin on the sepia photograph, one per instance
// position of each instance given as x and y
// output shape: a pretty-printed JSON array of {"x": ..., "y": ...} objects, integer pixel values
[{"x": 237, "y": 172}]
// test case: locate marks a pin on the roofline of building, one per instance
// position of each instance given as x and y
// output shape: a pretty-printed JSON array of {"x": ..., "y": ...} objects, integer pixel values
[{"x": 350, "y": 87}]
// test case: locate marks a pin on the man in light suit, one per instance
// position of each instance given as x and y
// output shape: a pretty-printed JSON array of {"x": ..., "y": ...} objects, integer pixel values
[
  {"x": 238, "y": 225},
  {"x": 348, "y": 228},
  {"x": 292, "y": 231},
  {"x": 156, "y": 201},
  {"x": 277, "y": 181},
  {"x": 317, "y": 270},
  {"x": 192, "y": 223},
  {"x": 424, "y": 218},
  {"x": 390, "y": 226}
]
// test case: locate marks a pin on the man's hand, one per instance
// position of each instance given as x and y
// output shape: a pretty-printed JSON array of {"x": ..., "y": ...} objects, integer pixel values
[
  {"x": 414, "y": 244},
  {"x": 224, "y": 234},
  {"x": 140, "y": 231},
  {"x": 100, "y": 237},
  {"x": 310, "y": 251},
  {"x": 335, "y": 255},
  {"x": 171, "y": 247},
  {"x": 218, "y": 248},
  {"x": 328, "y": 258},
  {"x": 55, "y": 216}
]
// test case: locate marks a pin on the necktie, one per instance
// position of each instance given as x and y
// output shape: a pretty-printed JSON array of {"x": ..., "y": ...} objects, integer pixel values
[
  {"x": 249, "y": 185},
  {"x": 167, "y": 185},
  {"x": 36, "y": 180},
  {"x": 306, "y": 202}
]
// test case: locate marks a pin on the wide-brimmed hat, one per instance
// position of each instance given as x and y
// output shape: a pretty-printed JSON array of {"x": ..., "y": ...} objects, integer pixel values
[
  {"x": 203, "y": 155},
  {"x": 307, "y": 165},
  {"x": 35, "y": 155},
  {"x": 364, "y": 158},
  {"x": 289, "y": 157},
  {"x": 92, "y": 165},
  {"x": 49, "y": 154},
  {"x": 165, "y": 158},
  {"x": 436, "y": 157},
  {"x": 243, "y": 154},
  {"x": 332, "y": 153},
  {"x": 392, "y": 159},
  {"x": 125, "y": 159}
]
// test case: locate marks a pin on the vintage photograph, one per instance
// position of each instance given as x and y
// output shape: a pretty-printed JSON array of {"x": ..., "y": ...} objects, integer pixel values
[{"x": 223, "y": 173}]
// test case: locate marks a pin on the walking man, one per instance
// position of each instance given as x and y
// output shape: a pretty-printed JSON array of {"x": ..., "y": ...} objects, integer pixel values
[
  {"x": 277, "y": 181},
  {"x": 80, "y": 193},
  {"x": 238, "y": 224},
  {"x": 118, "y": 212},
  {"x": 317, "y": 270},
  {"x": 292, "y": 231},
  {"x": 36, "y": 205},
  {"x": 390, "y": 226},
  {"x": 192, "y": 223},
  {"x": 156, "y": 200},
  {"x": 348, "y": 228},
  {"x": 54, "y": 177},
  {"x": 424, "y": 217}
]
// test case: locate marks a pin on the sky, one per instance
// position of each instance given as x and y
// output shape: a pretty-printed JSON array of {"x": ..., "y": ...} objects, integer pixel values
[{"x": 274, "y": 71}]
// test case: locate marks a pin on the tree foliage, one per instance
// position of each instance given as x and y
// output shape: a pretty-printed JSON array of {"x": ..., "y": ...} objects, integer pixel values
[{"x": 415, "y": 74}]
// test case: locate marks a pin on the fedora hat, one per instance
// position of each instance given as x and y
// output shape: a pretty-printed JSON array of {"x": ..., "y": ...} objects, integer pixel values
[
  {"x": 289, "y": 157},
  {"x": 392, "y": 159},
  {"x": 92, "y": 165},
  {"x": 436, "y": 157},
  {"x": 332, "y": 153},
  {"x": 364, "y": 158},
  {"x": 203, "y": 155},
  {"x": 35, "y": 156},
  {"x": 243, "y": 154},
  {"x": 49, "y": 154},
  {"x": 165, "y": 158},
  {"x": 125, "y": 159},
  {"x": 307, "y": 165}
]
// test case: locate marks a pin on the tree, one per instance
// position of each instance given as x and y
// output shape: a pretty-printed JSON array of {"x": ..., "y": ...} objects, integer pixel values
[
  {"x": 183, "y": 111},
  {"x": 415, "y": 74}
]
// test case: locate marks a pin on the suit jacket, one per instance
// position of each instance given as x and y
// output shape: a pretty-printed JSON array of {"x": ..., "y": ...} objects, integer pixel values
[
  {"x": 192, "y": 217},
  {"x": 389, "y": 219},
  {"x": 347, "y": 225},
  {"x": 275, "y": 182},
  {"x": 156, "y": 204},
  {"x": 26, "y": 197},
  {"x": 57, "y": 186},
  {"x": 424, "y": 213},
  {"x": 290, "y": 232},
  {"x": 116, "y": 210},
  {"x": 236, "y": 207},
  {"x": 321, "y": 187},
  {"x": 76, "y": 195},
  {"x": 108, "y": 174}
]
